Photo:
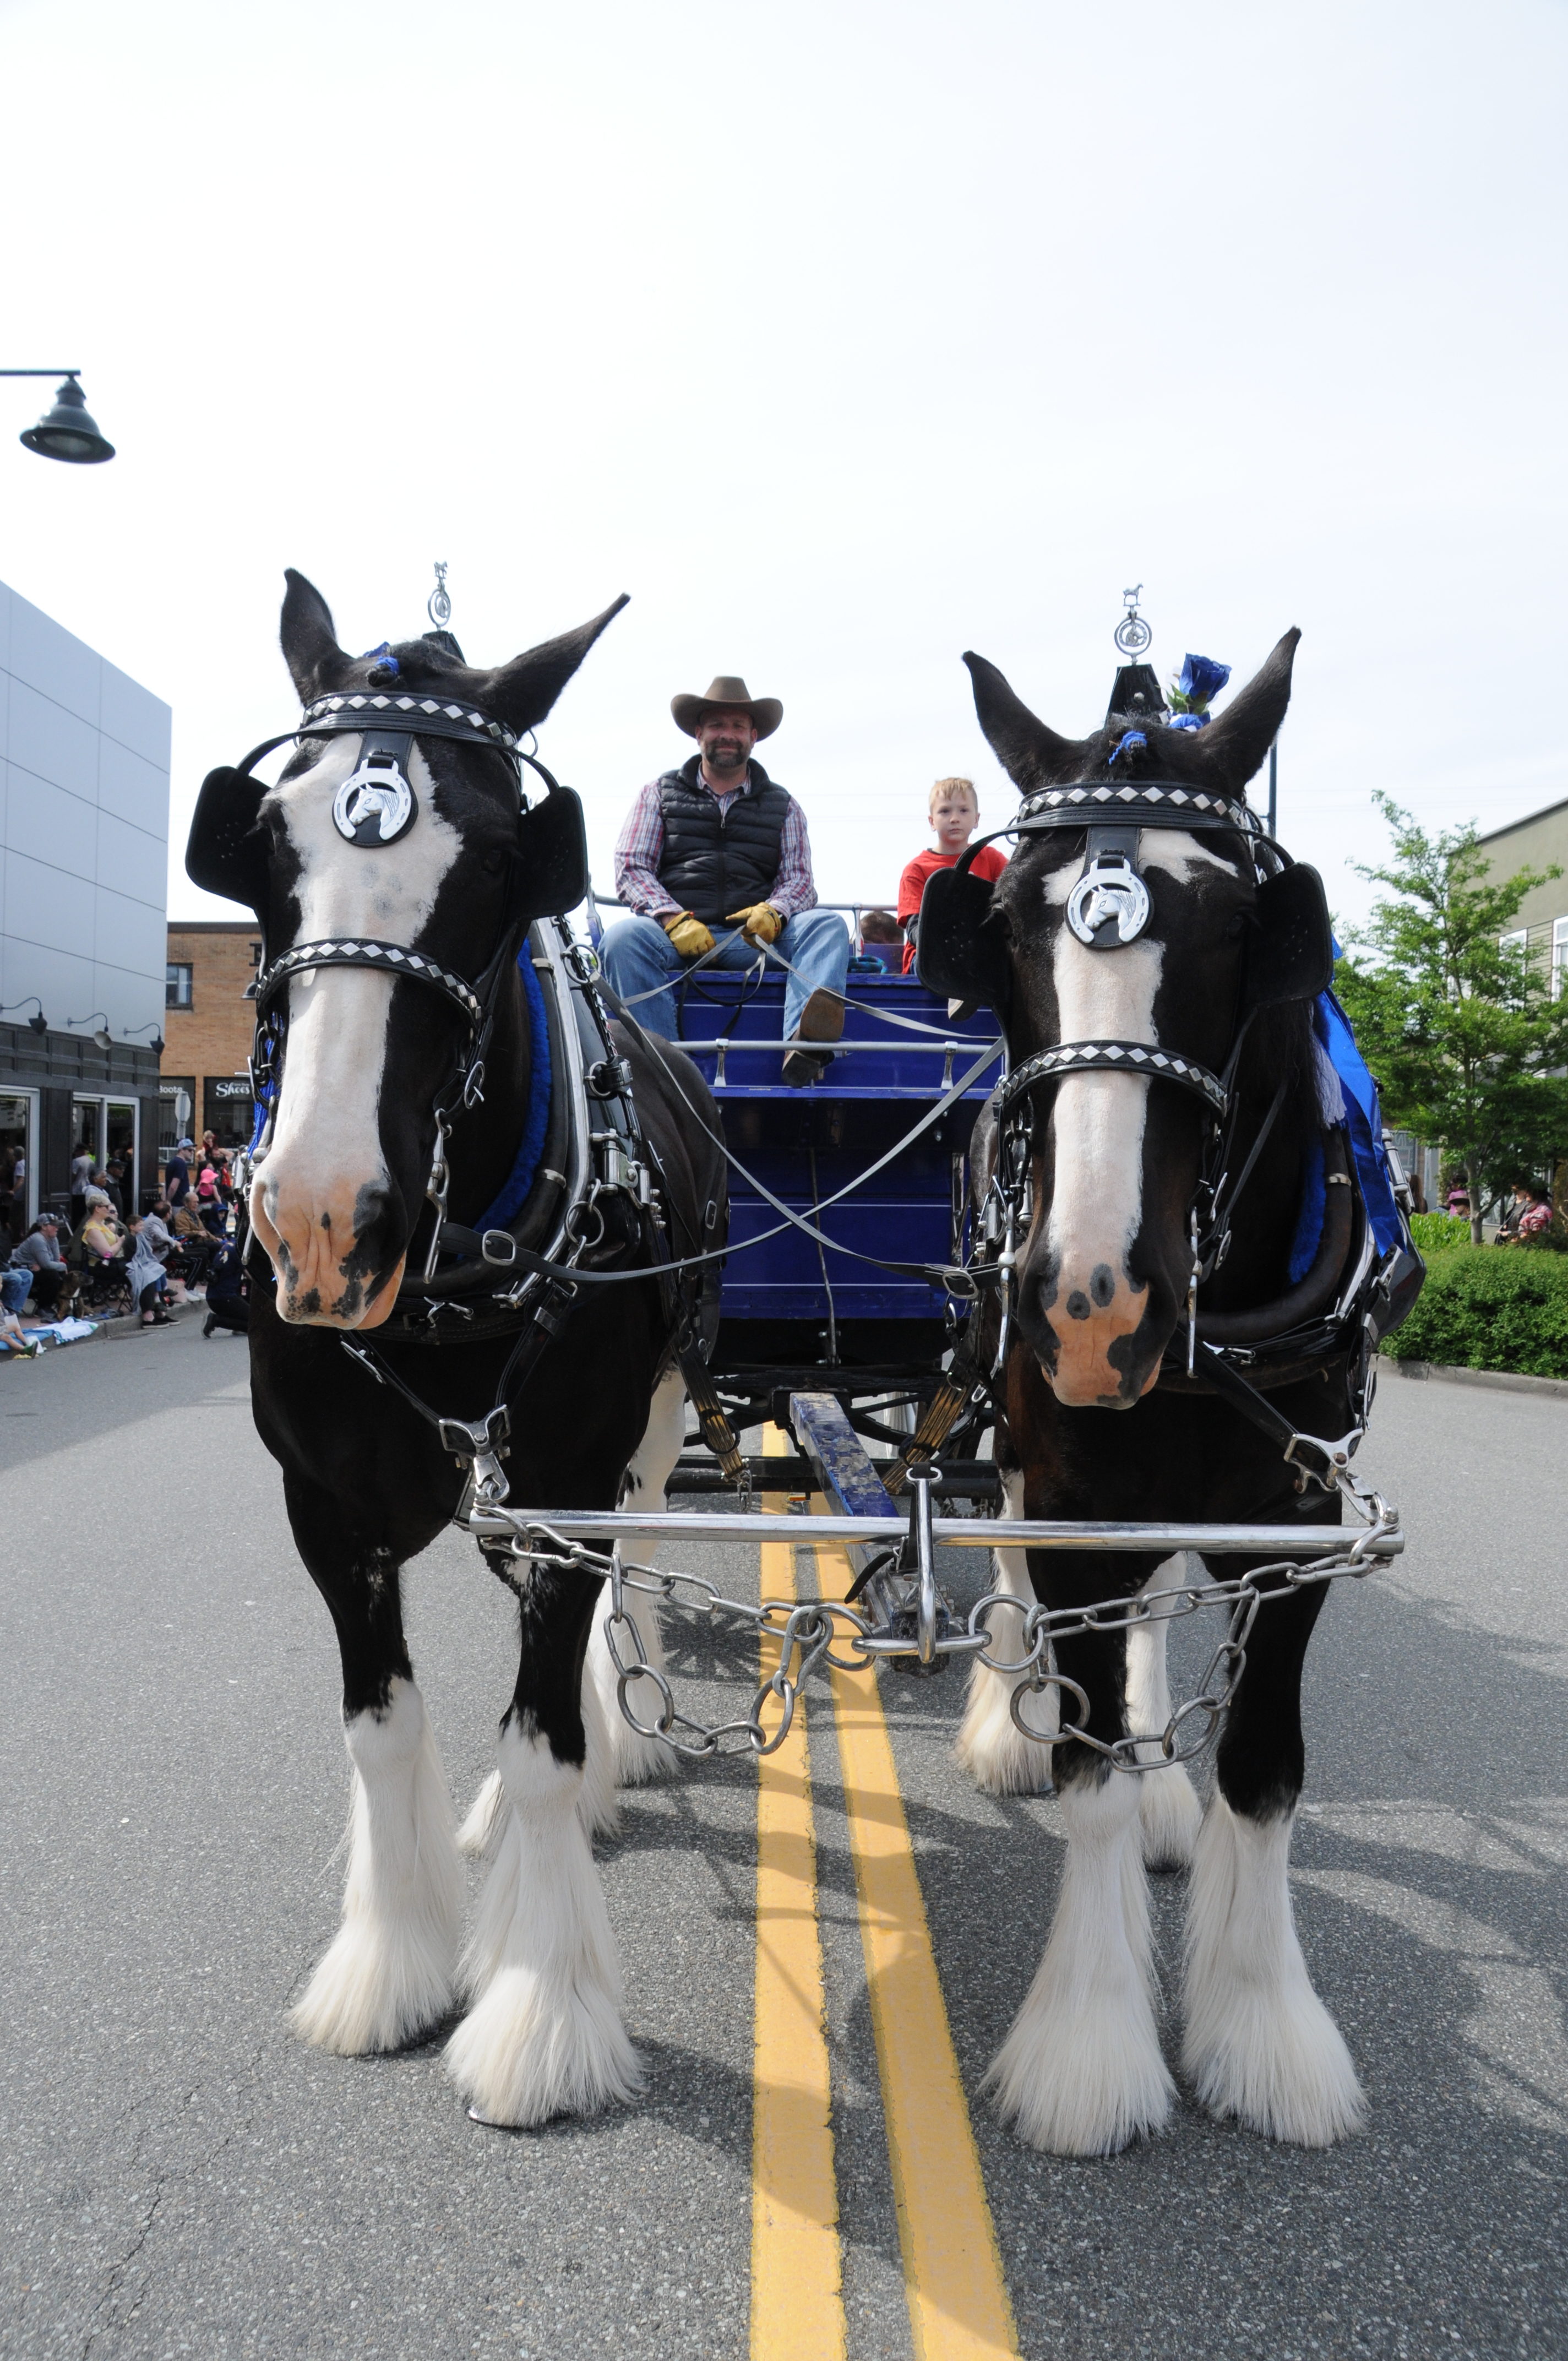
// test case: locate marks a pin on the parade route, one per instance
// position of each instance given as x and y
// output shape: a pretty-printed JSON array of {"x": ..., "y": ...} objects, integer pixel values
[{"x": 180, "y": 2176}]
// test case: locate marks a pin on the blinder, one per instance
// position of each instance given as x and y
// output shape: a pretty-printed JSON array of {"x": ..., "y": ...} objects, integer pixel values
[
  {"x": 956, "y": 954},
  {"x": 227, "y": 854},
  {"x": 551, "y": 867},
  {"x": 1291, "y": 954}
]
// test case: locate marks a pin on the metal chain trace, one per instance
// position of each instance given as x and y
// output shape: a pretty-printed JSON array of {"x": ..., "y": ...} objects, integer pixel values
[{"x": 806, "y": 1631}]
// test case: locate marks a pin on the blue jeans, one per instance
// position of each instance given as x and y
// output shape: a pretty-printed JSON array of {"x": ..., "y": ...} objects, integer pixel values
[
  {"x": 16, "y": 1285},
  {"x": 638, "y": 956}
]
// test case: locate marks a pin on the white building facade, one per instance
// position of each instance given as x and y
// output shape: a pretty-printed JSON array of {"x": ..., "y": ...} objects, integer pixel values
[{"x": 85, "y": 754}]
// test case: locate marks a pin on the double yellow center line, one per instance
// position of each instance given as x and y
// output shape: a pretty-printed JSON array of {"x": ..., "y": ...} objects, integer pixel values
[{"x": 952, "y": 2271}]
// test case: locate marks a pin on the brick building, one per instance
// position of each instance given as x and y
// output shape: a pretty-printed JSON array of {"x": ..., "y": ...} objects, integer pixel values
[{"x": 208, "y": 1021}]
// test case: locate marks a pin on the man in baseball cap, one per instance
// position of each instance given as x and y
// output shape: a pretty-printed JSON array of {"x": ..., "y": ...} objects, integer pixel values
[{"x": 713, "y": 862}]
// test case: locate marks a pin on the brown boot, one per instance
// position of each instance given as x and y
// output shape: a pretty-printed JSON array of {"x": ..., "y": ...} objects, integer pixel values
[{"x": 822, "y": 1019}]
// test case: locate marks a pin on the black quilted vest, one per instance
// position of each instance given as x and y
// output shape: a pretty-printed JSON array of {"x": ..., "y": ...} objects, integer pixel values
[{"x": 711, "y": 864}]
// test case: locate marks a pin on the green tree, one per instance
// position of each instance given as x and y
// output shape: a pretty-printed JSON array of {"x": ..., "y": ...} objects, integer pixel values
[{"x": 1460, "y": 1028}]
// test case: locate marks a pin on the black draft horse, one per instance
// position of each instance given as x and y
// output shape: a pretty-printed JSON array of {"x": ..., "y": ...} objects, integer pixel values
[
  {"x": 1100, "y": 1425},
  {"x": 337, "y": 1197}
]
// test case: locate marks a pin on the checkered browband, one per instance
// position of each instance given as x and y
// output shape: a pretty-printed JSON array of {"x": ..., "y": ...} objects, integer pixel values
[
  {"x": 1141, "y": 804},
  {"x": 422, "y": 715},
  {"x": 1144, "y": 1058},
  {"x": 392, "y": 959}
]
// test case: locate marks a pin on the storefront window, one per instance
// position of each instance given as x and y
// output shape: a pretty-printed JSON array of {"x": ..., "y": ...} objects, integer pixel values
[
  {"x": 227, "y": 1111},
  {"x": 120, "y": 1140},
  {"x": 87, "y": 1130},
  {"x": 17, "y": 1185}
]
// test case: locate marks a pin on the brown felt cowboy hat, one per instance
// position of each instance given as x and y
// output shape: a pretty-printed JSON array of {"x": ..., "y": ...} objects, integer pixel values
[{"x": 728, "y": 694}]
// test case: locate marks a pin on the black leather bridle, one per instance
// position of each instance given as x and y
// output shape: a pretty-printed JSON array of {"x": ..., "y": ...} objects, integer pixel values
[{"x": 388, "y": 723}]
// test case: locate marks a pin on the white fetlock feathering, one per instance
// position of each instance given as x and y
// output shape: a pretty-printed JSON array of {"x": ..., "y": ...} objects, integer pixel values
[
  {"x": 636, "y": 1758},
  {"x": 1081, "y": 2073},
  {"x": 483, "y": 1819},
  {"x": 388, "y": 1975},
  {"x": 544, "y": 2035},
  {"x": 597, "y": 1807},
  {"x": 990, "y": 1744},
  {"x": 1260, "y": 2044},
  {"x": 1169, "y": 1811},
  {"x": 630, "y": 1758}
]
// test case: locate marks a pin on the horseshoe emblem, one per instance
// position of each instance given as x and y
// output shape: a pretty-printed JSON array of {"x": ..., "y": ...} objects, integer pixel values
[
  {"x": 1109, "y": 905},
  {"x": 375, "y": 805}
]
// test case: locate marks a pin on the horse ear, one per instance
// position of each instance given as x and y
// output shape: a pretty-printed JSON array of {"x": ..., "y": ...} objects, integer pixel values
[
  {"x": 1231, "y": 750},
  {"x": 1031, "y": 755},
  {"x": 522, "y": 693},
  {"x": 310, "y": 643}
]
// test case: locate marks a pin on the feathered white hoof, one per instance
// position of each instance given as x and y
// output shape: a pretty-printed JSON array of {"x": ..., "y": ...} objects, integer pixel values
[
  {"x": 544, "y": 2035},
  {"x": 1081, "y": 2073},
  {"x": 388, "y": 1975},
  {"x": 1259, "y": 2044},
  {"x": 1169, "y": 1816}
]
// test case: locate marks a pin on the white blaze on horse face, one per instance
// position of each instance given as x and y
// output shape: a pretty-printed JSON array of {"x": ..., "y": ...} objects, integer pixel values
[
  {"x": 325, "y": 1155},
  {"x": 1097, "y": 1194}
]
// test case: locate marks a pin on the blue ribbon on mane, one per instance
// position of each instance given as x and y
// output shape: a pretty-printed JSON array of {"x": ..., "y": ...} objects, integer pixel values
[{"x": 531, "y": 1147}]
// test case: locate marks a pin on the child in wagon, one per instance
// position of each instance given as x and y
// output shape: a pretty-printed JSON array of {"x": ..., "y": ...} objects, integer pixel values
[{"x": 954, "y": 809}]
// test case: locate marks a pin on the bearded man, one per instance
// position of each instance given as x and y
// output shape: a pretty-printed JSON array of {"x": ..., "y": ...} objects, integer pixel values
[{"x": 715, "y": 864}]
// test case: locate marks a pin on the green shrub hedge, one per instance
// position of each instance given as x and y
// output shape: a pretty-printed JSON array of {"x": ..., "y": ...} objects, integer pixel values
[
  {"x": 1490, "y": 1308},
  {"x": 1433, "y": 1232}
]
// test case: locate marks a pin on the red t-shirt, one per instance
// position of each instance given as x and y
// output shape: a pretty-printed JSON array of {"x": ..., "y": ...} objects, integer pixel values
[{"x": 989, "y": 863}]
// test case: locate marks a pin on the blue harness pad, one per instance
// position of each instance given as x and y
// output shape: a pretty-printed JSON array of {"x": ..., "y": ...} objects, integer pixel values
[
  {"x": 1364, "y": 1122},
  {"x": 530, "y": 1148},
  {"x": 1363, "y": 1115}
]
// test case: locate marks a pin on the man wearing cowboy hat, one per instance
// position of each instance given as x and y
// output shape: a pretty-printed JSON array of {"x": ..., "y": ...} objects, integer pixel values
[{"x": 715, "y": 864}]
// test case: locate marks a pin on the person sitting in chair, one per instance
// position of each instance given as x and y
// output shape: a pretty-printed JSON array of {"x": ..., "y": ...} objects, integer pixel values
[{"x": 715, "y": 865}]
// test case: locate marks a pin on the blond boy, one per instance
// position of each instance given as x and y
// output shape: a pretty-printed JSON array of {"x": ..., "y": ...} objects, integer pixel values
[{"x": 953, "y": 809}]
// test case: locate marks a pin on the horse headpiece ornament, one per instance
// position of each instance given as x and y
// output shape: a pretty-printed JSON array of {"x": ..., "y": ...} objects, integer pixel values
[{"x": 375, "y": 805}]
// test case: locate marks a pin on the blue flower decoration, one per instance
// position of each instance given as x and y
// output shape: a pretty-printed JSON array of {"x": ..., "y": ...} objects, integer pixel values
[
  {"x": 1189, "y": 721},
  {"x": 1201, "y": 680},
  {"x": 1128, "y": 738},
  {"x": 386, "y": 663}
]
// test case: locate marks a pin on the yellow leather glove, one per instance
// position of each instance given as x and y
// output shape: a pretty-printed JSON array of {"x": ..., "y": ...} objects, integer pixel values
[
  {"x": 689, "y": 936},
  {"x": 761, "y": 924}
]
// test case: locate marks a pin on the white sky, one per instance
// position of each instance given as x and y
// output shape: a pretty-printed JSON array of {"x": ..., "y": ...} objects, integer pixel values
[{"x": 845, "y": 338}]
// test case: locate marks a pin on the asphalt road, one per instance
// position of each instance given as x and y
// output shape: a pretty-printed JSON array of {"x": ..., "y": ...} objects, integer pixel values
[{"x": 180, "y": 2176}]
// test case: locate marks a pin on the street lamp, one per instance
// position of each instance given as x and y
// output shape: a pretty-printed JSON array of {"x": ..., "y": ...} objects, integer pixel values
[
  {"x": 39, "y": 1024},
  {"x": 65, "y": 432},
  {"x": 155, "y": 1045},
  {"x": 102, "y": 1036}
]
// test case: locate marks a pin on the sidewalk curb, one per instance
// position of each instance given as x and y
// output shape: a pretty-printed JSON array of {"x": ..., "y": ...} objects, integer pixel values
[{"x": 1499, "y": 1380}]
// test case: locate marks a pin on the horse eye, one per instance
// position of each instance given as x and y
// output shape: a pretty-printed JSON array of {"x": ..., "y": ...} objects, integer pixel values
[{"x": 492, "y": 862}]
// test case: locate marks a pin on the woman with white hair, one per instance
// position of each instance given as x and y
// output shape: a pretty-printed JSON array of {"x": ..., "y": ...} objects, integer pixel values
[{"x": 146, "y": 1274}]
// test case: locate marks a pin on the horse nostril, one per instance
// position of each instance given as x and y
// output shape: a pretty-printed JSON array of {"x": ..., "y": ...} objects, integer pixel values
[
  {"x": 1102, "y": 1285},
  {"x": 1078, "y": 1304}
]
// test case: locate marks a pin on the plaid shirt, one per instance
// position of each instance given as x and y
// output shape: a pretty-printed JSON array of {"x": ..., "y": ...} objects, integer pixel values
[{"x": 640, "y": 848}]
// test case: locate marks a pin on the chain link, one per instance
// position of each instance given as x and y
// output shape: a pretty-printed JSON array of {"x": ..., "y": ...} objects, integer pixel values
[{"x": 805, "y": 1631}]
